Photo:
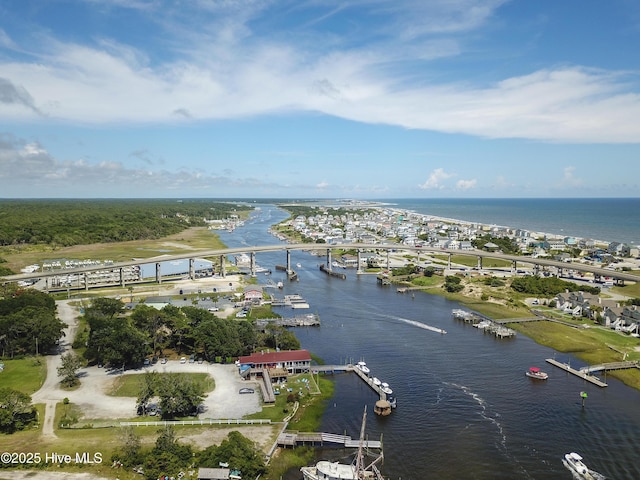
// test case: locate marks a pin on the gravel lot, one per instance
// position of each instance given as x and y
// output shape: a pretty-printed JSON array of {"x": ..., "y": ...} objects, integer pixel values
[{"x": 91, "y": 397}]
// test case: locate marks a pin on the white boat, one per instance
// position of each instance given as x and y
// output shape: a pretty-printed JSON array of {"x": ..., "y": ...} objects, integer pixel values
[
  {"x": 573, "y": 462},
  {"x": 363, "y": 367},
  {"x": 357, "y": 470},
  {"x": 376, "y": 381},
  {"x": 384, "y": 386},
  {"x": 535, "y": 372},
  {"x": 280, "y": 285},
  {"x": 299, "y": 265}
]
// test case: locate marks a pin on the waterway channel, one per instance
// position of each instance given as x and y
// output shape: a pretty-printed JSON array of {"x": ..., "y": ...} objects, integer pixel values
[{"x": 465, "y": 410}]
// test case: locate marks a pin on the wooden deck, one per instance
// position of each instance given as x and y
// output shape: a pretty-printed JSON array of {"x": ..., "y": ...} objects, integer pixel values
[
  {"x": 291, "y": 439},
  {"x": 578, "y": 373}
]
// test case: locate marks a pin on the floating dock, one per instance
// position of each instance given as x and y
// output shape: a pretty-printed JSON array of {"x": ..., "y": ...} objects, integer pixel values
[{"x": 578, "y": 373}]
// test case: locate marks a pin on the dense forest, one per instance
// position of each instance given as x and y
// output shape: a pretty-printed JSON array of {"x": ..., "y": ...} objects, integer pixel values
[
  {"x": 28, "y": 324},
  {"x": 64, "y": 223}
]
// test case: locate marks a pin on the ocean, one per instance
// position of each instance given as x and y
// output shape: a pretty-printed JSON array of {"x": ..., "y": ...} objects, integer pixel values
[{"x": 603, "y": 219}]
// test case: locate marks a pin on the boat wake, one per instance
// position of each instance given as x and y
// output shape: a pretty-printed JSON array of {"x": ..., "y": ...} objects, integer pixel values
[
  {"x": 493, "y": 419},
  {"x": 415, "y": 323}
]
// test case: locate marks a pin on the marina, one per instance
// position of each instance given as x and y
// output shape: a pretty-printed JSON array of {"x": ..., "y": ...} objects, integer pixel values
[{"x": 483, "y": 323}]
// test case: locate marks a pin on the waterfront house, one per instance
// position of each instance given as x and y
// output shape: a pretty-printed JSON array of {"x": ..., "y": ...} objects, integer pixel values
[
  {"x": 292, "y": 361},
  {"x": 253, "y": 294}
]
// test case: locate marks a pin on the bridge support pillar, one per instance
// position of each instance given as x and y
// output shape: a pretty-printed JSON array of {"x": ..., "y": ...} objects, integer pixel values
[
  {"x": 122, "y": 284},
  {"x": 536, "y": 269},
  {"x": 223, "y": 272},
  {"x": 85, "y": 276},
  {"x": 359, "y": 268},
  {"x": 288, "y": 261},
  {"x": 514, "y": 267},
  {"x": 388, "y": 262},
  {"x": 192, "y": 268},
  {"x": 449, "y": 261},
  {"x": 479, "y": 264},
  {"x": 158, "y": 273},
  {"x": 329, "y": 261}
]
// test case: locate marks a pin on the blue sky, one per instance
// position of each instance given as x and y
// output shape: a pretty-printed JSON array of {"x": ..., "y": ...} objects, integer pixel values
[{"x": 319, "y": 98}]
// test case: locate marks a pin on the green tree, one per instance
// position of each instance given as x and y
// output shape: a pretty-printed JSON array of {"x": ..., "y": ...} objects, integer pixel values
[
  {"x": 68, "y": 369},
  {"x": 16, "y": 411},
  {"x": 239, "y": 452},
  {"x": 168, "y": 457},
  {"x": 452, "y": 284},
  {"x": 179, "y": 396}
]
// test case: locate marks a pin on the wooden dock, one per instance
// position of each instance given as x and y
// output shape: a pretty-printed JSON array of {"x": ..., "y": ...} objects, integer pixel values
[
  {"x": 350, "y": 368},
  {"x": 578, "y": 373},
  {"x": 611, "y": 366},
  {"x": 309, "y": 320},
  {"x": 291, "y": 439}
]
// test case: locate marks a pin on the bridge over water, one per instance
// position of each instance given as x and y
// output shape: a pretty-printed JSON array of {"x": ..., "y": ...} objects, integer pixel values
[{"x": 118, "y": 269}]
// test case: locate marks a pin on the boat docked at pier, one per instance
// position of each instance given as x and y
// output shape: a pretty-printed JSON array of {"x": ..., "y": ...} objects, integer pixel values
[
  {"x": 363, "y": 367},
  {"x": 357, "y": 470},
  {"x": 573, "y": 462},
  {"x": 535, "y": 372}
]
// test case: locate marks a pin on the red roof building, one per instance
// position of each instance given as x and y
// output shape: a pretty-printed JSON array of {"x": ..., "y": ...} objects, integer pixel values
[{"x": 293, "y": 361}]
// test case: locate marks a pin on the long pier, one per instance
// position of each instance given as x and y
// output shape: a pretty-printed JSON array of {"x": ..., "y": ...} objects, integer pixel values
[
  {"x": 578, "y": 373},
  {"x": 611, "y": 366},
  {"x": 291, "y": 439},
  {"x": 351, "y": 368}
]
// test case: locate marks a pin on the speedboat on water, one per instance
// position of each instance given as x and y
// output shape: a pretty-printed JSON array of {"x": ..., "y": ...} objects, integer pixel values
[
  {"x": 573, "y": 462},
  {"x": 363, "y": 367},
  {"x": 384, "y": 386},
  {"x": 535, "y": 372},
  {"x": 376, "y": 381}
]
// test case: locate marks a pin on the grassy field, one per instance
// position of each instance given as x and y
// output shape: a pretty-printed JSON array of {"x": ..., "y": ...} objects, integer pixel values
[
  {"x": 25, "y": 375},
  {"x": 191, "y": 239},
  {"x": 129, "y": 385}
]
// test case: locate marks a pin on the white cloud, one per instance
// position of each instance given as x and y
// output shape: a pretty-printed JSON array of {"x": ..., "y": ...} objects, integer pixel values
[
  {"x": 434, "y": 182},
  {"x": 322, "y": 185},
  {"x": 226, "y": 70},
  {"x": 569, "y": 179},
  {"x": 466, "y": 184}
]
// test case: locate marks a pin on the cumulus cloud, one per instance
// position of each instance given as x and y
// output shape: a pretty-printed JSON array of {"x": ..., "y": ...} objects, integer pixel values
[
  {"x": 434, "y": 182},
  {"x": 322, "y": 185},
  {"x": 569, "y": 178},
  {"x": 466, "y": 184}
]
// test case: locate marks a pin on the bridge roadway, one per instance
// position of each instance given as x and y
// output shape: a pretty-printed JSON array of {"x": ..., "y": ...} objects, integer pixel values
[{"x": 192, "y": 255}]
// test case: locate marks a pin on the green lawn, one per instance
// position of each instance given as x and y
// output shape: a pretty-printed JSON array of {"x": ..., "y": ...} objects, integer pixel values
[
  {"x": 129, "y": 385},
  {"x": 25, "y": 375}
]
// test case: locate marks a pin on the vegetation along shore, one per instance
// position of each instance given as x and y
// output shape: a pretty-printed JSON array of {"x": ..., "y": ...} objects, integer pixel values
[{"x": 114, "y": 328}]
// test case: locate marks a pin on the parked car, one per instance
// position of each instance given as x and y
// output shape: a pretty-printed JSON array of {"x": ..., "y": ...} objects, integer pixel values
[
  {"x": 183, "y": 360},
  {"x": 192, "y": 358},
  {"x": 164, "y": 360},
  {"x": 246, "y": 390}
]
